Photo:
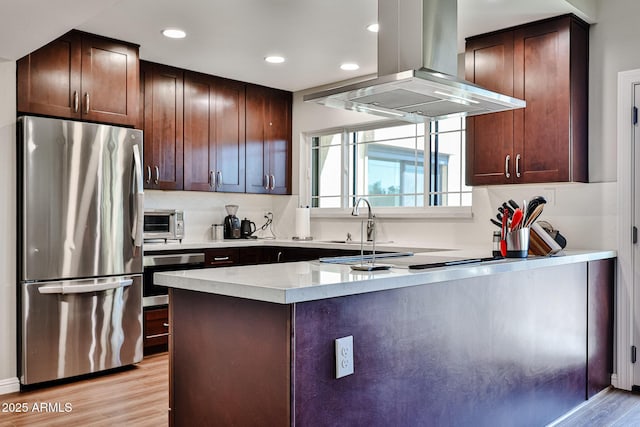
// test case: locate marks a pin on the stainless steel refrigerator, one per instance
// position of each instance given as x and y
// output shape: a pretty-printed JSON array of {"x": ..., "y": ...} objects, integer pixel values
[{"x": 80, "y": 214}]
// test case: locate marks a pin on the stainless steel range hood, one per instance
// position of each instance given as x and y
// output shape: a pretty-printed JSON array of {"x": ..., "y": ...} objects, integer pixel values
[{"x": 417, "y": 62}]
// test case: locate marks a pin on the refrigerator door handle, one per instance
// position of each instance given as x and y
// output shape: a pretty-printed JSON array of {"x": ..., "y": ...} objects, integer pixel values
[
  {"x": 83, "y": 288},
  {"x": 138, "y": 223}
]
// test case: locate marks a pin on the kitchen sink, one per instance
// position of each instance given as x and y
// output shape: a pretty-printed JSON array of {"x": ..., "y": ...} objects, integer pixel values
[
  {"x": 351, "y": 259},
  {"x": 356, "y": 242}
]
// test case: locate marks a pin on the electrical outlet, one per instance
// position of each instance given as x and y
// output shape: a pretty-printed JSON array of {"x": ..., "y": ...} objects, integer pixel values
[{"x": 344, "y": 356}]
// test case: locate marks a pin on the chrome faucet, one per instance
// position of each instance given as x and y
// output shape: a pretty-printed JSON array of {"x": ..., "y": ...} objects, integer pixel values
[{"x": 371, "y": 224}]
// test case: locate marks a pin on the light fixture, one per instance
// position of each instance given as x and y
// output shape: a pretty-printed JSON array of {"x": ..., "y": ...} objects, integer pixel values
[
  {"x": 274, "y": 59},
  {"x": 456, "y": 98},
  {"x": 349, "y": 66},
  {"x": 374, "y": 28},
  {"x": 367, "y": 108},
  {"x": 174, "y": 33}
]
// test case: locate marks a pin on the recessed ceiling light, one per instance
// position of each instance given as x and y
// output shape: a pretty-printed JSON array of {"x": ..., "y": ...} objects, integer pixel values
[
  {"x": 349, "y": 66},
  {"x": 274, "y": 59},
  {"x": 174, "y": 33},
  {"x": 374, "y": 28}
]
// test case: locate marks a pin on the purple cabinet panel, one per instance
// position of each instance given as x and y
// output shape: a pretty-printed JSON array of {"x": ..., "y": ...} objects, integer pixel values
[{"x": 506, "y": 349}]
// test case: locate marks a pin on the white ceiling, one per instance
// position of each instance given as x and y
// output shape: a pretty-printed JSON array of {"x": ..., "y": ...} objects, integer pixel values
[{"x": 230, "y": 38}]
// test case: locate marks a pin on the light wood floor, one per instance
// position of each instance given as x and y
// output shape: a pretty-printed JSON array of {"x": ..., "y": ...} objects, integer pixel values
[
  {"x": 613, "y": 408},
  {"x": 138, "y": 396}
]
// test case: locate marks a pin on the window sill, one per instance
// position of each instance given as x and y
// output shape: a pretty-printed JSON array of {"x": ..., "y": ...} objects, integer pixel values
[{"x": 444, "y": 212}]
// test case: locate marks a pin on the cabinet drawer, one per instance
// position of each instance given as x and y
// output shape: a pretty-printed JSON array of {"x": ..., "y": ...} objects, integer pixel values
[
  {"x": 156, "y": 327},
  {"x": 221, "y": 257}
]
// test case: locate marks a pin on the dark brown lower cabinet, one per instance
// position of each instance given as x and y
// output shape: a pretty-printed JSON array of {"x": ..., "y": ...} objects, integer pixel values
[
  {"x": 503, "y": 349},
  {"x": 156, "y": 330}
]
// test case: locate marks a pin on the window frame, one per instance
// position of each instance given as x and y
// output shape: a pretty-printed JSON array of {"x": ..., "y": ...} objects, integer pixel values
[{"x": 426, "y": 212}]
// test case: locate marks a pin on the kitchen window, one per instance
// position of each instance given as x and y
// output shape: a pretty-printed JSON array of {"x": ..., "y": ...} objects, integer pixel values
[{"x": 403, "y": 167}]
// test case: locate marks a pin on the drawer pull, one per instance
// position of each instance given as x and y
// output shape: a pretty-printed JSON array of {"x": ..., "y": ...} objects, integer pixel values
[
  {"x": 166, "y": 334},
  {"x": 166, "y": 325},
  {"x": 221, "y": 258}
]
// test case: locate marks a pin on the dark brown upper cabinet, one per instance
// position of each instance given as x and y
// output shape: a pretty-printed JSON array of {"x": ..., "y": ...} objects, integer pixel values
[
  {"x": 81, "y": 76},
  {"x": 162, "y": 112},
  {"x": 546, "y": 64},
  {"x": 268, "y": 140},
  {"x": 214, "y": 134}
]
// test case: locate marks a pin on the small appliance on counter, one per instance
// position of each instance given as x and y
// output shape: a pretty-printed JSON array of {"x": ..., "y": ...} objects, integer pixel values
[
  {"x": 232, "y": 228},
  {"x": 247, "y": 228},
  {"x": 163, "y": 224}
]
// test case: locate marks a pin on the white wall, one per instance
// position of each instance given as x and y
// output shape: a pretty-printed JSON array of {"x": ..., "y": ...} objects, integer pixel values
[
  {"x": 202, "y": 209},
  {"x": 8, "y": 283},
  {"x": 613, "y": 48},
  {"x": 585, "y": 213}
]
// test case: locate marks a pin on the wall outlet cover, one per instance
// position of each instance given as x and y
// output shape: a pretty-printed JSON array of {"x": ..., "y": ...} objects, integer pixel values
[{"x": 344, "y": 356}]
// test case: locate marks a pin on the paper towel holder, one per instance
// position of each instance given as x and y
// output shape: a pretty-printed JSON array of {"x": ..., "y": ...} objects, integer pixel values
[{"x": 303, "y": 227}]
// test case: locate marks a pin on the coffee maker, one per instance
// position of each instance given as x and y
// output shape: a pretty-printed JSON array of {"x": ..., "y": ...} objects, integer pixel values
[{"x": 231, "y": 223}]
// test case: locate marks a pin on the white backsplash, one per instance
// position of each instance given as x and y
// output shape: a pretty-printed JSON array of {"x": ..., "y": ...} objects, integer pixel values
[
  {"x": 571, "y": 208},
  {"x": 202, "y": 209},
  {"x": 584, "y": 213}
]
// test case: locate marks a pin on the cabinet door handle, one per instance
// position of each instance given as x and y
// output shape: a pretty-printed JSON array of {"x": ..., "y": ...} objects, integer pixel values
[
  {"x": 219, "y": 179},
  {"x": 506, "y": 166},
  {"x": 273, "y": 182},
  {"x": 155, "y": 181},
  {"x": 517, "y": 165},
  {"x": 166, "y": 334},
  {"x": 221, "y": 258},
  {"x": 86, "y": 102},
  {"x": 166, "y": 325},
  {"x": 279, "y": 256},
  {"x": 211, "y": 180},
  {"x": 76, "y": 101},
  {"x": 148, "y": 180},
  {"x": 266, "y": 182}
]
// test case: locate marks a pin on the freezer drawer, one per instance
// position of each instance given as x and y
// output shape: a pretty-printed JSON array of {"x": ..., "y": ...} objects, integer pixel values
[{"x": 76, "y": 327}]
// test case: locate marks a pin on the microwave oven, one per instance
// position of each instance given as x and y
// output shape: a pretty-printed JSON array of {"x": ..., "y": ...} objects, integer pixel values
[{"x": 163, "y": 224}]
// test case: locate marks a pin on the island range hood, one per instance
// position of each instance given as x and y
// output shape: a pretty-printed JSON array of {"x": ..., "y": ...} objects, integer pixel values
[{"x": 417, "y": 64}]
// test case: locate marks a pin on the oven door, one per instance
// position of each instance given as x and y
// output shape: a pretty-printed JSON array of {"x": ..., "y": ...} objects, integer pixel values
[
  {"x": 157, "y": 295},
  {"x": 158, "y": 225}
]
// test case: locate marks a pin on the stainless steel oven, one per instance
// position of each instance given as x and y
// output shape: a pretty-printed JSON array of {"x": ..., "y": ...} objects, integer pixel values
[
  {"x": 154, "y": 295},
  {"x": 163, "y": 224}
]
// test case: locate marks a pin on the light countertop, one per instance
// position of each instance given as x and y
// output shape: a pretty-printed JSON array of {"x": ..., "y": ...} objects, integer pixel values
[{"x": 295, "y": 282}]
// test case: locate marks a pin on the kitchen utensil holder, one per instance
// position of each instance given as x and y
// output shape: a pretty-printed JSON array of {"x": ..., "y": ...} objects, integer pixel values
[{"x": 518, "y": 243}]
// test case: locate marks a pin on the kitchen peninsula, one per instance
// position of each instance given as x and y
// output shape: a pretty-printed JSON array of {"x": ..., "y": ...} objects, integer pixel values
[{"x": 506, "y": 342}]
